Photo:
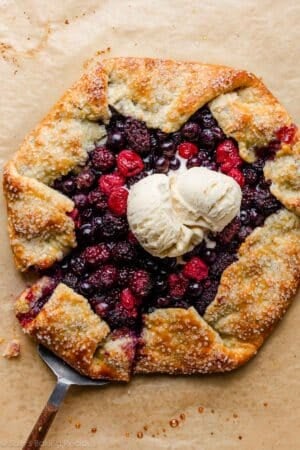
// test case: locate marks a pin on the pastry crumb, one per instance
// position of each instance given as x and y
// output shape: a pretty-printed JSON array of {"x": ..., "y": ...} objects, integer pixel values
[{"x": 12, "y": 349}]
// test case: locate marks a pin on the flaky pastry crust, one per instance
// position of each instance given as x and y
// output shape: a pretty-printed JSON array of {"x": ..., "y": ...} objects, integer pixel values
[
  {"x": 254, "y": 292},
  {"x": 68, "y": 326}
]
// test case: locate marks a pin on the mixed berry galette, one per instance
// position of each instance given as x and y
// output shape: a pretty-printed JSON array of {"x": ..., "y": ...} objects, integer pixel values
[{"x": 158, "y": 201}]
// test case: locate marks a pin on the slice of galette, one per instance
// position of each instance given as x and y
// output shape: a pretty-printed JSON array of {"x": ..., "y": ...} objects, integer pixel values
[{"x": 158, "y": 201}]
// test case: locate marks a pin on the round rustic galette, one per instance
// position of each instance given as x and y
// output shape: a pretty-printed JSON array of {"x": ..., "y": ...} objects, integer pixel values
[{"x": 158, "y": 201}]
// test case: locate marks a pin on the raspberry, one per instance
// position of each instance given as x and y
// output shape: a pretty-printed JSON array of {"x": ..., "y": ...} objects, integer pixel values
[
  {"x": 237, "y": 175},
  {"x": 108, "y": 182},
  {"x": 228, "y": 166},
  {"x": 138, "y": 136},
  {"x": 177, "y": 285},
  {"x": 117, "y": 201},
  {"x": 103, "y": 159},
  {"x": 195, "y": 269},
  {"x": 128, "y": 300},
  {"x": 287, "y": 133},
  {"x": 227, "y": 152},
  {"x": 141, "y": 283},
  {"x": 129, "y": 163},
  {"x": 96, "y": 254},
  {"x": 187, "y": 150}
]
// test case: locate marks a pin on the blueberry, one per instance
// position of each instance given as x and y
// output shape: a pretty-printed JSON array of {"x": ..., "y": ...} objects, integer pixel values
[
  {"x": 160, "y": 284},
  {"x": 85, "y": 179},
  {"x": 87, "y": 213},
  {"x": 116, "y": 139},
  {"x": 80, "y": 200},
  {"x": 195, "y": 161},
  {"x": 207, "y": 138},
  {"x": 209, "y": 255},
  {"x": 191, "y": 131},
  {"x": 163, "y": 302},
  {"x": 168, "y": 148},
  {"x": 86, "y": 288},
  {"x": 218, "y": 133},
  {"x": 86, "y": 232},
  {"x": 174, "y": 163},
  {"x": 68, "y": 186},
  {"x": 177, "y": 138},
  {"x": 161, "y": 165},
  {"x": 194, "y": 289},
  {"x": 210, "y": 165},
  {"x": 207, "y": 120},
  {"x": 148, "y": 162}
]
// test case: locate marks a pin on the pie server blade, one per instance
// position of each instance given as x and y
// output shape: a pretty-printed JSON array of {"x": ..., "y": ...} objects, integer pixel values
[{"x": 65, "y": 377}]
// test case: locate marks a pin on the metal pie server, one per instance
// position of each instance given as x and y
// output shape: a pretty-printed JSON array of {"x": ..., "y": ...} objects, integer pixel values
[{"x": 66, "y": 377}]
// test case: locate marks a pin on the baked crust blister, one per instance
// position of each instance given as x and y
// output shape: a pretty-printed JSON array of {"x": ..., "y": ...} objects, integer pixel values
[{"x": 253, "y": 293}]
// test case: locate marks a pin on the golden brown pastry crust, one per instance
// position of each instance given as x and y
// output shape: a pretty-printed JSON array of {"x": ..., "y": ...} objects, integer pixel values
[
  {"x": 253, "y": 295},
  {"x": 67, "y": 325},
  {"x": 254, "y": 292}
]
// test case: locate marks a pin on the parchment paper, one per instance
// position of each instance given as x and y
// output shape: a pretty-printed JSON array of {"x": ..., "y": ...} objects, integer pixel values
[{"x": 42, "y": 47}]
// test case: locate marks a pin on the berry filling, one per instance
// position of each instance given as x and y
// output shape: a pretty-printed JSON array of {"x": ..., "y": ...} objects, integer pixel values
[{"x": 109, "y": 267}]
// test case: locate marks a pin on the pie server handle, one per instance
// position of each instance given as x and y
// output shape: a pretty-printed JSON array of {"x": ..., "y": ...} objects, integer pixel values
[{"x": 40, "y": 429}]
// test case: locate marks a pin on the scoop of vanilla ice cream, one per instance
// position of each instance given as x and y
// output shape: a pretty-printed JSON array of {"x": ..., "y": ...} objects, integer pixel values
[
  {"x": 205, "y": 198},
  {"x": 154, "y": 222}
]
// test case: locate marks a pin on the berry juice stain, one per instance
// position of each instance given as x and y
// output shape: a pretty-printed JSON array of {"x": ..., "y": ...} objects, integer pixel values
[{"x": 174, "y": 423}]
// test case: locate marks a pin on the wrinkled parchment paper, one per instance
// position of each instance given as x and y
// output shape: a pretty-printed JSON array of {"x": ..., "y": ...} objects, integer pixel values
[{"x": 42, "y": 47}]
